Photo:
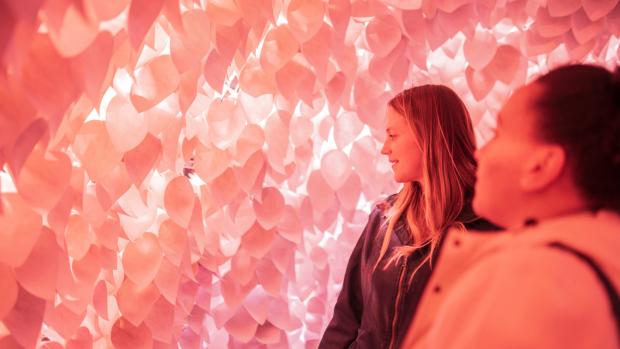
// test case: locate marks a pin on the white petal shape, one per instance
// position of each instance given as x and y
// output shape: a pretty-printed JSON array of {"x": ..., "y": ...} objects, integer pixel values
[
  {"x": 480, "y": 49},
  {"x": 301, "y": 130},
  {"x": 335, "y": 168},
  {"x": 382, "y": 35},
  {"x": 226, "y": 122},
  {"x": 179, "y": 200},
  {"x": 270, "y": 207},
  {"x": 561, "y": 8},
  {"x": 346, "y": 129},
  {"x": 479, "y": 83},
  {"x": 597, "y": 9},
  {"x": 125, "y": 125},
  {"x": 305, "y": 18},
  {"x": 241, "y": 326},
  {"x": 321, "y": 195},
  {"x": 73, "y": 34},
  {"x": 348, "y": 195},
  {"x": 141, "y": 259},
  {"x": 405, "y": 4},
  {"x": 548, "y": 26},
  {"x": 583, "y": 28},
  {"x": 21, "y": 227},
  {"x": 257, "y": 304}
]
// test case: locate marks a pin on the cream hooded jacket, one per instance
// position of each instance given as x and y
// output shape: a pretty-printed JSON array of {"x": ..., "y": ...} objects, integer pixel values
[{"x": 512, "y": 290}]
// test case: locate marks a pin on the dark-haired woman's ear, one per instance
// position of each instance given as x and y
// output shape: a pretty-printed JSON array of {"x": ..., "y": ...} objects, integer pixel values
[{"x": 544, "y": 167}]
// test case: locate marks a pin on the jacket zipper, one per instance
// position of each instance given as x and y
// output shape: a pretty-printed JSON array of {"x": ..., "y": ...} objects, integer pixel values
[{"x": 401, "y": 278}]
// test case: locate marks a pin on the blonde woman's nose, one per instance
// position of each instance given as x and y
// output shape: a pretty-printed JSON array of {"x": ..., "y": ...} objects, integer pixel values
[{"x": 385, "y": 149}]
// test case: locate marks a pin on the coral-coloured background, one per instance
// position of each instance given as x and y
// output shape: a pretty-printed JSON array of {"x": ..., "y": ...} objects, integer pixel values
[{"x": 195, "y": 173}]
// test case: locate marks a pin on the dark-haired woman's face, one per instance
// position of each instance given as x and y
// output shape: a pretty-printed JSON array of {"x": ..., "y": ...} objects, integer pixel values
[
  {"x": 503, "y": 161},
  {"x": 402, "y": 148}
]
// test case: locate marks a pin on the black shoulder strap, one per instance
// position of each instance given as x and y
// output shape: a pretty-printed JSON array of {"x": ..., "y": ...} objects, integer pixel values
[{"x": 612, "y": 293}]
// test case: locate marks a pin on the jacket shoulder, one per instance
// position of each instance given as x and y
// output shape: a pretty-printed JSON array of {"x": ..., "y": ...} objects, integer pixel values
[
  {"x": 540, "y": 288},
  {"x": 384, "y": 204}
]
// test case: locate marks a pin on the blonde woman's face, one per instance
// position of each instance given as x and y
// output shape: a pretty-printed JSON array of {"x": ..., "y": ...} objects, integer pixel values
[{"x": 402, "y": 148}]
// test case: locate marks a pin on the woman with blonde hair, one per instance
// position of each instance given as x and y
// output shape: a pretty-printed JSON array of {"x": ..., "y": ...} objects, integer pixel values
[{"x": 430, "y": 143}]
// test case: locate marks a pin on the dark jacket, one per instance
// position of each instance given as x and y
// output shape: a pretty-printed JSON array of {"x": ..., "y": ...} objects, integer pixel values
[{"x": 365, "y": 310}]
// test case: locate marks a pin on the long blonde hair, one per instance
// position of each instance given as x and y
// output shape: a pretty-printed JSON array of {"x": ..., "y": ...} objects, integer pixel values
[{"x": 442, "y": 126}]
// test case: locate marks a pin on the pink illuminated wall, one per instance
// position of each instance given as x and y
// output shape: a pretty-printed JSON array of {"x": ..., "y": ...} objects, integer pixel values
[{"x": 195, "y": 173}]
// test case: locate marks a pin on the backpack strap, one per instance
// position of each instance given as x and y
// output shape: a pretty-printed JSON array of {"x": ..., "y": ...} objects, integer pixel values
[{"x": 612, "y": 293}]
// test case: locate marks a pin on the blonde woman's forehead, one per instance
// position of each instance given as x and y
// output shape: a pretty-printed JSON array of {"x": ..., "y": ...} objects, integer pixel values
[{"x": 394, "y": 120}]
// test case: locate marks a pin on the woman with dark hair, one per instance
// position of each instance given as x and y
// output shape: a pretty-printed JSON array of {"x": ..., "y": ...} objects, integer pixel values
[
  {"x": 551, "y": 176},
  {"x": 430, "y": 143}
]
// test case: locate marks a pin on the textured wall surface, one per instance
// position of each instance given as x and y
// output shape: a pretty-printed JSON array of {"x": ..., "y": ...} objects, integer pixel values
[{"x": 195, "y": 173}]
